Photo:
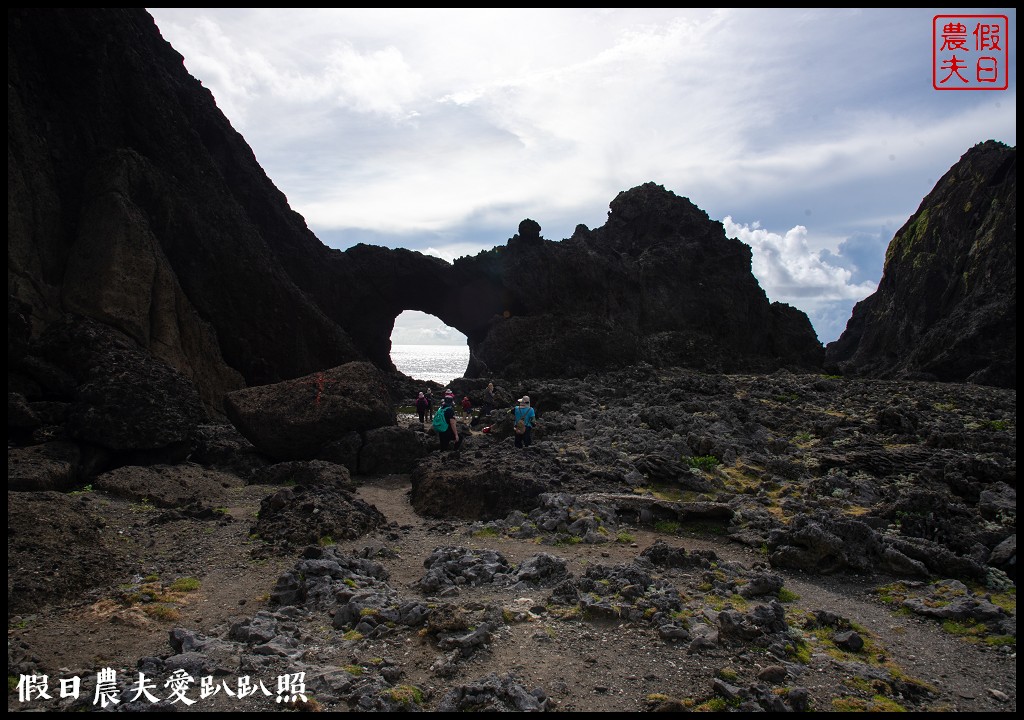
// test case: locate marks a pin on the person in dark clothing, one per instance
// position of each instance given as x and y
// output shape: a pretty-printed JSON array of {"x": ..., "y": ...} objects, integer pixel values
[
  {"x": 422, "y": 407},
  {"x": 451, "y": 435},
  {"x": 488, "y": 400}
]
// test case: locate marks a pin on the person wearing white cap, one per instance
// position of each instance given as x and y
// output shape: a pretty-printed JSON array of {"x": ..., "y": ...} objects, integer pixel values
[{"x": 522, "y": 422}]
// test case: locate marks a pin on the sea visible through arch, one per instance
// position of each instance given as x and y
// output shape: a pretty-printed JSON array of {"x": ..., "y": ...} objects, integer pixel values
[{"x": 439, "y": 363}]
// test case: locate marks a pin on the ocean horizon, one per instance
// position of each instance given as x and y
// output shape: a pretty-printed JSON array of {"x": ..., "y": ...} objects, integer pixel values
[{"x": 435, "y": 363}]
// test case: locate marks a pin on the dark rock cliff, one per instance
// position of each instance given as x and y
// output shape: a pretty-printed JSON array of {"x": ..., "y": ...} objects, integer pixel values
[
  {"x": 132, "y": 201},
  {"x": 946, "y": 307}
]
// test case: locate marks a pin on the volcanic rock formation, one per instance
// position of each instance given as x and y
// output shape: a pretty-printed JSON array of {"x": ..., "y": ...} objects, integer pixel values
[
  {"x": 946, "y": 307},
  {"x": 659, "y": 282},
  {"x": 134, "y": 202},
  {"x": 131, "y": 200}
]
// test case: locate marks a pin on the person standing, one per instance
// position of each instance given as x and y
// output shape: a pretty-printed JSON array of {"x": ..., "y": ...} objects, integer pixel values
[
  {"x": 430, "y": 403},
  {"x": 422, "y": 407},
  {"x": 451, "y": 433},
  {"x": 522, "y": 422},
  {"x": 489, "y": 404}
]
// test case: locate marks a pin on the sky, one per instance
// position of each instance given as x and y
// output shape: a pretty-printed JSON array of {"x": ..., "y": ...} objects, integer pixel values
[{"x": 811, "y": 134}]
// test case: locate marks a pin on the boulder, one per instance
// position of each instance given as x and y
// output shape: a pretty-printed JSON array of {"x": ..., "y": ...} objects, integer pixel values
[
  {"x": 118, "y": 396},
  {"x": 293, "y": 420},
  {"x": 472, "y": 492}
]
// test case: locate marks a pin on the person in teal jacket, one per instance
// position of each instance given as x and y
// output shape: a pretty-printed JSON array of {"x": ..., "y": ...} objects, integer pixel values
[{"x": 525, "y": 413}]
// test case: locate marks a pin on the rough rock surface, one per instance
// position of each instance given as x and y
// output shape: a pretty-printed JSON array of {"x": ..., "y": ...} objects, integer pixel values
[
  {"x": 470, "y": 490},
  {"x": 134, "y": 202},
  {"x": 112, "y": 394},
  {"x": 946, "y": 307},
  {"x": 293, "y": 420},
  {"x": 821, "y": 473},
  {"x": 674, "y": 539},
  {"x": 426, "y": 615},
  {"x": 659, "y": 282},
  {"x": 164, "y": 226}
]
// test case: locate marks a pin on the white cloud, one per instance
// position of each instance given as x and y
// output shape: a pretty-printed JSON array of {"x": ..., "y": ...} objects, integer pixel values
[
  {"x": 452, "y": 251},
  {"x": 790, "y": 272},
  {"x": 413, "y": 327}
]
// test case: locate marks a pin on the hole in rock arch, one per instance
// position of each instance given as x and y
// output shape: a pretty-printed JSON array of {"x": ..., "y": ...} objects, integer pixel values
[{"x": 424, "y": 348}]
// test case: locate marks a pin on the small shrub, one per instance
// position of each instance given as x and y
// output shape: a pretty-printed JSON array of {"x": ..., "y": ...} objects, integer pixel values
[
  {"x": 702, "y": 462},
  {"x": 1001, "y": 641},
  {"x": 406, "y": 694},
  {"x": 965, "y": 629},
  {"x": 881, "y": 703},
  {"x": 715, "y": 704},
  {"x": 848, "y": 704},
  {"x": 186, "y": 584},
  {"x": 728, "y": 674},
  {"x": 165, "y": 613},
  {"x": 786, "y": 595},
  {"x": 800, "y": 652},
  {"x": 669, "y": 527}
]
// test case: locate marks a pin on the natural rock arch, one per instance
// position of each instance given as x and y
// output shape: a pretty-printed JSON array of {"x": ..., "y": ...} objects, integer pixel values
[
  {"x": 659, "y": 283},
  {"x": 218, "y": 277}
]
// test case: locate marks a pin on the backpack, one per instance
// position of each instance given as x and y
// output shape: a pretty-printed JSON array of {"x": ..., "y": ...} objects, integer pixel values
[
  {"x": 440, "y": 423},
  {"x": 520, "y": 424}
]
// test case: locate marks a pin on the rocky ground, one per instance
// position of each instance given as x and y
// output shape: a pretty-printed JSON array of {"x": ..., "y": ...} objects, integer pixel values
[{"x": 679, "y": 542}]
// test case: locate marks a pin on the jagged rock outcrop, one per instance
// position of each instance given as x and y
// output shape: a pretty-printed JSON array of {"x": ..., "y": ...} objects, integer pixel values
[
  {"x": 659, "y": 282},
  {"x": 132, "y": 201},
  {"x": 946, "y": 307}
]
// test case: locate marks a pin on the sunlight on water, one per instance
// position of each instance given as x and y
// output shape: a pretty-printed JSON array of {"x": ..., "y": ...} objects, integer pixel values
[{"x": 439, "y": 363}]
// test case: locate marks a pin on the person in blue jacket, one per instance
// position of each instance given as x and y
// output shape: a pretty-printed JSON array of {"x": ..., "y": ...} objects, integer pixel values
[{"x": 525, "y": 414}]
